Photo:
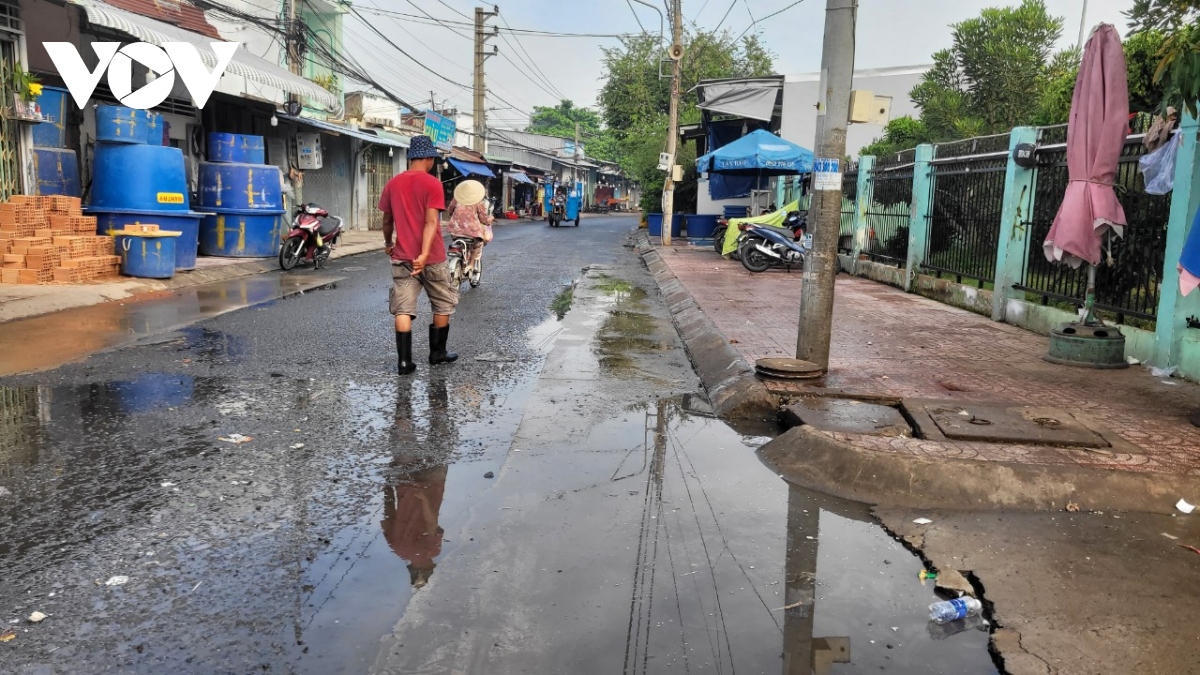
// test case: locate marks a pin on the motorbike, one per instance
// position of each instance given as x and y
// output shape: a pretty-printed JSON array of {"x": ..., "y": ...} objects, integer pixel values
[
  {"x": 760, "y": 248},
  {"x": 719, "y": 233},
  {"x": 558, "y": 210},
  {"x": 313, "y": 235},
  {"x": 456, "y": 258}
]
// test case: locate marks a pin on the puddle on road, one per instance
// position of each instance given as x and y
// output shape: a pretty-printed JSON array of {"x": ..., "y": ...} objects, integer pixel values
[
  {"x": 49, "y": 341},
  {"x": 628, "y": 328},
  {"x": 840, "y": 580}
]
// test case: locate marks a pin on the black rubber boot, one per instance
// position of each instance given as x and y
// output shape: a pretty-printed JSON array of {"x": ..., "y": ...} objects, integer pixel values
[
  {"x": 404, "y": 353},
  {"x": 437, "y": 346}
]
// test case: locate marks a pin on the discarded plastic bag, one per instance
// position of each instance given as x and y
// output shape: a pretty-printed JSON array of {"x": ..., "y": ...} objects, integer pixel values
[{"x": 1159, "y": 168}]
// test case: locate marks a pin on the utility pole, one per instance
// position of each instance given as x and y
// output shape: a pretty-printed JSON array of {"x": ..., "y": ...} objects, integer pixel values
[
  {"x": 673, "y": 125},
  {"x": 833, "y": 112},
  {"x": 293, "y": 36},
  {"x": 481, "y": 38},
  {"x": 577, "y": 155}
]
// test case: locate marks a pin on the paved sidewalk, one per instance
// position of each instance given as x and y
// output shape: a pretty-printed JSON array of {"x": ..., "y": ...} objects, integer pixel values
[{"x": 889, "y": 343}]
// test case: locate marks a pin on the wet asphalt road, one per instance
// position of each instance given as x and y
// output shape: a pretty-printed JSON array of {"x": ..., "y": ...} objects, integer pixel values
[
  {"x": 359, "y": 531},
  {"x": 239, "y": 555}
]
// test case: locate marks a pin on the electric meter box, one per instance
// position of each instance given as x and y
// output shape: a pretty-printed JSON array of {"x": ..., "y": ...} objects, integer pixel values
[
  {"x": 862, "y": 106},
  {"x": 308, "y": 151}
]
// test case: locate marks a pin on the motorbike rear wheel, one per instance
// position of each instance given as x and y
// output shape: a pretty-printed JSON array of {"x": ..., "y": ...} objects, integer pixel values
[
  {"x": 475, "y": 276},
  {"x": 753, "y": 259},
  {"x": 456, "y": 269},
  {"x": 290, "y": 253},
  {"x": 719, "y": 239}
]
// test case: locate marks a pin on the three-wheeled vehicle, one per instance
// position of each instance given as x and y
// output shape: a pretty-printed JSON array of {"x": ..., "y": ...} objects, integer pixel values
[{"x": 563, "y": 205}]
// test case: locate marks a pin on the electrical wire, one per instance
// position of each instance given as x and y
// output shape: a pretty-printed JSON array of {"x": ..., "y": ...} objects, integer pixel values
[
  {"x": 430, "y": 20},
  {"x": 635, "y": 15},
  {"x": 531, "y": 61},
  {"x": 752, "y": 25}
]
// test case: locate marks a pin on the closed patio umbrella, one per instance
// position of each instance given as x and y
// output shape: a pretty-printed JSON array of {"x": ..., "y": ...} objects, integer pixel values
[{"x": 1095, "y": 136}]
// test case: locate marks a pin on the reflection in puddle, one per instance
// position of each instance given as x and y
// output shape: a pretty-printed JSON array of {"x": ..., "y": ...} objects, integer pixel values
[
  {"x": 413, "y": 498},
  {"x": 48, "y": 341},
  {"x": 628, "y": 328}
]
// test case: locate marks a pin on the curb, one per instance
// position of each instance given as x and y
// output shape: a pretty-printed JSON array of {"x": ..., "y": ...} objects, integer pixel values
[
  {"x": 815, "y": 460},
  {"x": 734, "y": 390}
]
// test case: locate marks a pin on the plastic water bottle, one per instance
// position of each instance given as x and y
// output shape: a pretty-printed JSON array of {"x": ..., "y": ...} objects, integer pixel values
[{"x": 953, "y": 610}]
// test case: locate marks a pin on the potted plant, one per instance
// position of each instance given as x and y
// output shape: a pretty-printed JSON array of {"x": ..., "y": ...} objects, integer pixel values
[{"x": 26, "y": 89}]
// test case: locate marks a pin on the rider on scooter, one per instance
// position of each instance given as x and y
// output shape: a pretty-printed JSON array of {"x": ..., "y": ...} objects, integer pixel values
[{"x": 469, "y": 217}]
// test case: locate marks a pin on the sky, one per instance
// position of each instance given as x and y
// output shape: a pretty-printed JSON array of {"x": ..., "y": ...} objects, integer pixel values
[{"x": 890, "y": 33}]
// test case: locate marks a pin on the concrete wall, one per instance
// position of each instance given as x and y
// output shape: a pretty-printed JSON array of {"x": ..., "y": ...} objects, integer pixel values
[{"x": 800, "y": 96}]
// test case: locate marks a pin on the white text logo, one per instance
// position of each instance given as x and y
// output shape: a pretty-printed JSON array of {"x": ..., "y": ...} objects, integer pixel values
[{"x": 164, "y": 61}]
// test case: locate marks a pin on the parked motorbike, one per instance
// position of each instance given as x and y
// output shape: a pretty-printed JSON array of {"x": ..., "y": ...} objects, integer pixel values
[
  {"x": 719, "y": 233},
  {"x": 313, "y": 235},
  {"x": 761, "y": 248},
  {"x": 456, "y": 258}
]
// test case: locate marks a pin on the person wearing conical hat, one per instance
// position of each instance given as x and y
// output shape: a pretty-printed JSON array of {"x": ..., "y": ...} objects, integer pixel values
[{"x": 470, "y": 217}]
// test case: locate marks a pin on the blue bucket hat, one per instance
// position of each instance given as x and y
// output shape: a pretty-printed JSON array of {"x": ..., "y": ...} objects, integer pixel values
[{"x": 421, "y": 147}]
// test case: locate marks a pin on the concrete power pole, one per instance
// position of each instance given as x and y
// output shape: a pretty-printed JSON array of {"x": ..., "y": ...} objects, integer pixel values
[
  {"x": 480, "y": 112},
  {"x": 673, "y": 125},
  {"x": 293, "y": 50},
  {"x": 576, "y": 158},
  {"x": 833, "y": 112}
]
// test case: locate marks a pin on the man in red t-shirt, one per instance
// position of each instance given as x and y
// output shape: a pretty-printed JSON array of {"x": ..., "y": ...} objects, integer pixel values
[{"x": 412, "y": 204}]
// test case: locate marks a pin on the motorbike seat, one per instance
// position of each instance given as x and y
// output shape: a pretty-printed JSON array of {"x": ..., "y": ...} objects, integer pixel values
[{"x": 327, "y": 227}]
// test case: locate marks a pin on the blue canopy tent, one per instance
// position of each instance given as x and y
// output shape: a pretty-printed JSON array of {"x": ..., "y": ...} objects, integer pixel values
[{"x": 756, "y": 155}]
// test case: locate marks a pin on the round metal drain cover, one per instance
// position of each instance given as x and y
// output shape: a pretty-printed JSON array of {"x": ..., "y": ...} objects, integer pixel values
[{"x": 788, "y": 369}]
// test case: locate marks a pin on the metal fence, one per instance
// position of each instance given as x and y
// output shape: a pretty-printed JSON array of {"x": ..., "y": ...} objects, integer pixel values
[
  {"x": 967, "y": 197},
  {"x": 1128, "y": 289},
  {"x": 849, "y": 207},
  {"x": 889, "y": 212}
]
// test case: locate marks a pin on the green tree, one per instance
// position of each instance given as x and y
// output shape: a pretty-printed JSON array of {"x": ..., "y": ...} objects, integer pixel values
[
  {"x": 1177, "y": 73},
  {"x": 1141, "y": 60},
  {"x": 900, "y": 134},
  {"x": 561, "y": 119},
  {"x": 634, "y": 101}
]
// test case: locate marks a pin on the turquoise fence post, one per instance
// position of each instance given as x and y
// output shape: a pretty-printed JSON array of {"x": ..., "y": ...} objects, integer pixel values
[
  {"x": 1013, "y": 244},
  {"x": 922, "y": 209},
  {"x": 1173, "y": 309},
  {"x": 862, "y": 202}
]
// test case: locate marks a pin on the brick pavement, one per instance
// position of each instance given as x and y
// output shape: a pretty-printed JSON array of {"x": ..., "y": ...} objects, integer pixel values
[{"x": 890, "y": 343}]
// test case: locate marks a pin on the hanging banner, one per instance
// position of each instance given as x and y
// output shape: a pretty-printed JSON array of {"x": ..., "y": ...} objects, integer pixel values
[{"x": 827, "y": 174}]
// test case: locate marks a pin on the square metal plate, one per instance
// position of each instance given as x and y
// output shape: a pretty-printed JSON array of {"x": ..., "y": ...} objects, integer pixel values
[{"x": 1025, "y": 425}]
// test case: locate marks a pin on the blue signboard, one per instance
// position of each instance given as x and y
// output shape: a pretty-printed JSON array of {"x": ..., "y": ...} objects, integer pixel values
[{"x": 440, "y": 129}]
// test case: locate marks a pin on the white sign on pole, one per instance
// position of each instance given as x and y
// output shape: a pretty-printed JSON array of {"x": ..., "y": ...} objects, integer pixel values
[{"x": 827, "y": 174}]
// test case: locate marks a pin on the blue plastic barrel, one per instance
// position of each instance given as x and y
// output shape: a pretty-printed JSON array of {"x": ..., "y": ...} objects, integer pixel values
[
  {"x": 736, "y": 211},
  {"x": 236, "y": 148},
  {"x": 155, "y": 127},
  {"x": 240, "y": 186},
  {"x": 57, "y": 171},
  {"x": 149, "y": 255},
  {"x": 147, "y": 177},
  {"x": 700, "y": 226},
  {"x": 118, "y": 124},
  {"x": 240, "y": 233},
  {"x": 52, "y": 134},
  {"x": 186, "y": 223},
  {"x": 654, "y": 222}
]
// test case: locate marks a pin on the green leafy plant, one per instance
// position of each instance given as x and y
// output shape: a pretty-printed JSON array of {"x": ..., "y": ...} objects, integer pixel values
[
  {"x": 326, "y": 82},
  {"x": 25, "y": 84}
]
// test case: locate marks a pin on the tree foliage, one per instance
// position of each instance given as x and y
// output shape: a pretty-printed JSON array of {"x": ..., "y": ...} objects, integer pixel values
[
  {"x": 560, "y": 120},
  {"x": 634, "y": 101},
  {"x": 1177, "y": 73},
  {"x": 1001, "y": 72}
]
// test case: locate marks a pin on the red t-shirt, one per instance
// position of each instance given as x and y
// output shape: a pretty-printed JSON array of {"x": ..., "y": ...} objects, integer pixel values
[{"x": 405, "y": 197}]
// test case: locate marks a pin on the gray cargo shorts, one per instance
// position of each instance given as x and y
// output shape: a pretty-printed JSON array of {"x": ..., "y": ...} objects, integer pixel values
[{"x": 434, "y": 279}]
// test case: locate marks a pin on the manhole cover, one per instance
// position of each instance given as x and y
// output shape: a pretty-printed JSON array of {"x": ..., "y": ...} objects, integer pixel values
[
  {"x": 847, "y": 416},
  {"x": 787, "y": 369},
  {"x": 1004, "y": 424}
]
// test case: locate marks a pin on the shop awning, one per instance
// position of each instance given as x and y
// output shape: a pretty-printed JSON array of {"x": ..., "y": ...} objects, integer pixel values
[
  {"x": 520, "y": 177},
  {"x": 468, "y": 168},
  {"x": 244, "y": 63},
  {"x": 367, "y": 135}
]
